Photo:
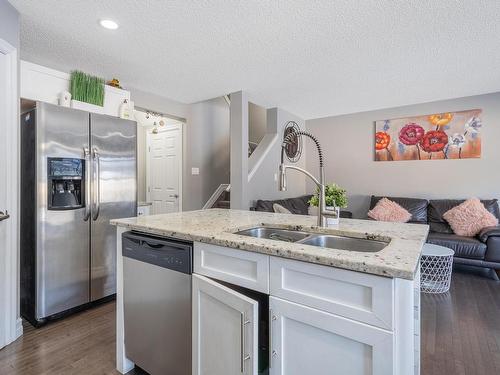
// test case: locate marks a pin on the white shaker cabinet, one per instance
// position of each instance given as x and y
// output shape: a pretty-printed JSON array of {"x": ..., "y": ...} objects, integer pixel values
[
  {"x": 225, "y": 330},
  {"x": 305, "y": 340},
  {"x": 317, "y": 320}
]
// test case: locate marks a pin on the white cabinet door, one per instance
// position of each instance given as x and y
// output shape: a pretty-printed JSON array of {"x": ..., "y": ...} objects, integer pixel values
[
  {"x": 310, "y": 341},
  {"x": 225, "y": 330}
]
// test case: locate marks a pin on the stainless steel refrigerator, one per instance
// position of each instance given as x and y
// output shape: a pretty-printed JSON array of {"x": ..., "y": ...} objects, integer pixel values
[{"x": 78, "y": 171}]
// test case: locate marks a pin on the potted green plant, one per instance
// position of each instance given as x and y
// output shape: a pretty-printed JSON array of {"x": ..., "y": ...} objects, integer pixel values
[{"x": 335, "y": 198}]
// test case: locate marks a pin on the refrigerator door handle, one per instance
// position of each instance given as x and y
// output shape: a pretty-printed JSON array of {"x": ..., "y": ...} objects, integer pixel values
[
  {"x": 86, "y": 154},
  {"x": 96, "y": 185}
]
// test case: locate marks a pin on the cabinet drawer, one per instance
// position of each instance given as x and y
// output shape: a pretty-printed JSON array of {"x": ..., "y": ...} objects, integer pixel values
[
  {"x": 354, "y": 295},
  {"x": 243, "y": 268}
]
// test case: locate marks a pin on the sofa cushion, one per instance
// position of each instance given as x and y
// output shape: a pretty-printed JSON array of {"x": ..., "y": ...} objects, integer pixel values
[
  {"x": 297, "y": 205},
  {"x": 416, "y": 207},
  {"x": 464, "y": 247},
  {"x": 438, "y": 207},
  {"x": 387, "y": 210}
]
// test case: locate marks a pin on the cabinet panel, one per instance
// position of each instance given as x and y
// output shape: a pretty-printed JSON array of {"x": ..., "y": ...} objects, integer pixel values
[
  {"x": 358, "y": 296},
  {"x": 225, "y": 330},
  {"x": 238, "y": 267},
  {"x": 309, "y": 341}
]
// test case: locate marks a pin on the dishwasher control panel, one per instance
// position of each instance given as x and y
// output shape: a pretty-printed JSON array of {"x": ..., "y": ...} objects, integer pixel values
[{"x": 163, "y": 252}]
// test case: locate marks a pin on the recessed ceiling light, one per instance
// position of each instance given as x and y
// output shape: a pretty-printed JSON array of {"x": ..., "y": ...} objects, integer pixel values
[{"x": 109, "y": 24}]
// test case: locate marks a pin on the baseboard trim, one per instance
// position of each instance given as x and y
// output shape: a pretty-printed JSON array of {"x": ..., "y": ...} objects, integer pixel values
[{"x": 19, "y": 328}]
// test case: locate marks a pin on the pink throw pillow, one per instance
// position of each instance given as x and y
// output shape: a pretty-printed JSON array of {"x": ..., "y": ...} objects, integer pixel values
[
  {"x": 467, "y": 219},
  {"x": 387, "y": 210}
]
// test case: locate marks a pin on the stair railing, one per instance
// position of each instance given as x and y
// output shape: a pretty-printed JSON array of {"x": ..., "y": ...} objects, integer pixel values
[{"x": 215, "y": 196}]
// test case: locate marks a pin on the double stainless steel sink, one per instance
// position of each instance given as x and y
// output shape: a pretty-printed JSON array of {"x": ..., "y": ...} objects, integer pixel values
[{"x": 316, "y": 239}]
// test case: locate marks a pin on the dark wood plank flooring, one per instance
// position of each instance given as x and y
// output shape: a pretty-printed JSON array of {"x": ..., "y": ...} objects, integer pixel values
[
  {"x": 461, "y": 329},
  {"x": 460, "y": 336},
  {"x": 80, "y": 344}
]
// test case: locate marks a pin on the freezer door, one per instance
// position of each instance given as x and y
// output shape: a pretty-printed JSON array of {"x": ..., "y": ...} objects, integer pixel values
[
  {"x": 114, "y": 195},
  {"x": 62, "y": 239}
]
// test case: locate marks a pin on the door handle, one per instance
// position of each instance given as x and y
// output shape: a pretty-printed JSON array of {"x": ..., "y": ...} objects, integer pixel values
[
  {"x": 272, "y": 352},
  {"x": 244, "y": 357},
  {"x": 174, "y": 195},
  {"x": 4, "y": 216},
  {"x": 86, "y": 154},
  {"x": 96, "y": 184}
]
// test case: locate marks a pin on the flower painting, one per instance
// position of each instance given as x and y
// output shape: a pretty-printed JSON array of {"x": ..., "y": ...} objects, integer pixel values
[{"x": 449, "y": 135}]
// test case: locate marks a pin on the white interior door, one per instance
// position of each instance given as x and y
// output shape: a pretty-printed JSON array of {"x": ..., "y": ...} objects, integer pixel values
[
  {"x": 10, "y": 324},
  {"x": 225, "y": 330},
  {"x": 164, "y": 170}
]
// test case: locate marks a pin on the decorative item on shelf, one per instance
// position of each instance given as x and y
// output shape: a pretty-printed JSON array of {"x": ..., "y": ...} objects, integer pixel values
[
  {"x": 65, "y": 99},
  {"x": 293, "y": 149},
  {"x": 114, "y": 83},
  {"x": 335, "y": 199},
  {"x": 86, "y": 88},
  {"x": 450, "y": 135},
  {"x": 125, "y": 110}
]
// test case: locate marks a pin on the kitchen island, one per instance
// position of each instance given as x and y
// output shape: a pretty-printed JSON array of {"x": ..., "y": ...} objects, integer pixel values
[{"x": 340, "y": 304}]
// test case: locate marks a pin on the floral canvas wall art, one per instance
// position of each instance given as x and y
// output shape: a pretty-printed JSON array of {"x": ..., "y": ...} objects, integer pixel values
[{"x": 450, "y": 135}]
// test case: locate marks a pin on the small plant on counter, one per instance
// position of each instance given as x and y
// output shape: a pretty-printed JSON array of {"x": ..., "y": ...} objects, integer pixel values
[
  {"x": 335, "y": 196},
  {"x": 87, "y": 88}
]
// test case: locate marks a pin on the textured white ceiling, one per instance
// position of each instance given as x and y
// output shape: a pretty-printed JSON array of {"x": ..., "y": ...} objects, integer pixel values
[{"x": 313, "y": 58}]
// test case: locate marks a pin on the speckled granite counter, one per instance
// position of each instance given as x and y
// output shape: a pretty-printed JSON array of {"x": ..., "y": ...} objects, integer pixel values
[{"x": 217, "y": 226}]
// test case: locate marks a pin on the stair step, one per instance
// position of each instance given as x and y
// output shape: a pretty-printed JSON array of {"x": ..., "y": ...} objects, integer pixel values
[{"x": 222, "y": 204}]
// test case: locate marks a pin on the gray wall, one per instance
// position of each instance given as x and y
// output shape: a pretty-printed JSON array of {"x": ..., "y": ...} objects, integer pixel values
[
  {"x": 349, "y": 151},
  {"x": 9, "y": 23},
  {"x": 205, "y": 143},
  {"x": 257, "y": 122},
  {"x": 158, "y": 103},
  {"x": 207, "y": 138}
]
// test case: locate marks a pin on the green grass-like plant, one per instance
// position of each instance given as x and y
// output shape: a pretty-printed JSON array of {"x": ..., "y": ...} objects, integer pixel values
[{"x": 87, "y": 88}]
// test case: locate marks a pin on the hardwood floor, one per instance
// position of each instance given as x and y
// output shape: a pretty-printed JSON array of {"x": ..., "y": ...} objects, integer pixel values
[
  {"x": 461, "y": 329},
  {"x": 81, "y": 344},
  {"x": 460, "y": 336}
]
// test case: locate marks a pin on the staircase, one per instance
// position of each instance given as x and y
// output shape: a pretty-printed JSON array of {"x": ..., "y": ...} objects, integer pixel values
[
  {"x": 224, "y": 200},
  {"x": 220, "y": 198}
]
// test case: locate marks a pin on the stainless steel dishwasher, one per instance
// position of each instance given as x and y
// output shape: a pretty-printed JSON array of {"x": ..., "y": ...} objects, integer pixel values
[{"x": 157, "y": 303}]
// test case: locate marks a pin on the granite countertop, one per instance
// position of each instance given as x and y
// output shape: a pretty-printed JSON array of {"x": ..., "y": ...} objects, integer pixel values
[{"x": 217, "y": 226}]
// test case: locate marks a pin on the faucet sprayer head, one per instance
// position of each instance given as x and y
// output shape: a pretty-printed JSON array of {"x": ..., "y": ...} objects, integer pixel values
[{"x": 282, "y": 177}]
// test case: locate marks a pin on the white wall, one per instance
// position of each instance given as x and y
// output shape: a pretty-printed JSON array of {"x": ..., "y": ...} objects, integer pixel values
[
  {"x": 264, "y": 184},
  {"x": 40, "y": 83},
  {"x": 349, "y": 152},
  {"x": 11, "y": 327},
  {"x": 9, "y": 23}
]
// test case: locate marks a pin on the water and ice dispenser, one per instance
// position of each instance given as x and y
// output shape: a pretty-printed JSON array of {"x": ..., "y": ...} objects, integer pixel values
[{"x": 66, "y": 183}]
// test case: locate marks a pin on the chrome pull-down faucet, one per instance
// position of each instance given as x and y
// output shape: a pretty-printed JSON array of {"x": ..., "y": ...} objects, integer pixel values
[{"x": 323, "y": 213}]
